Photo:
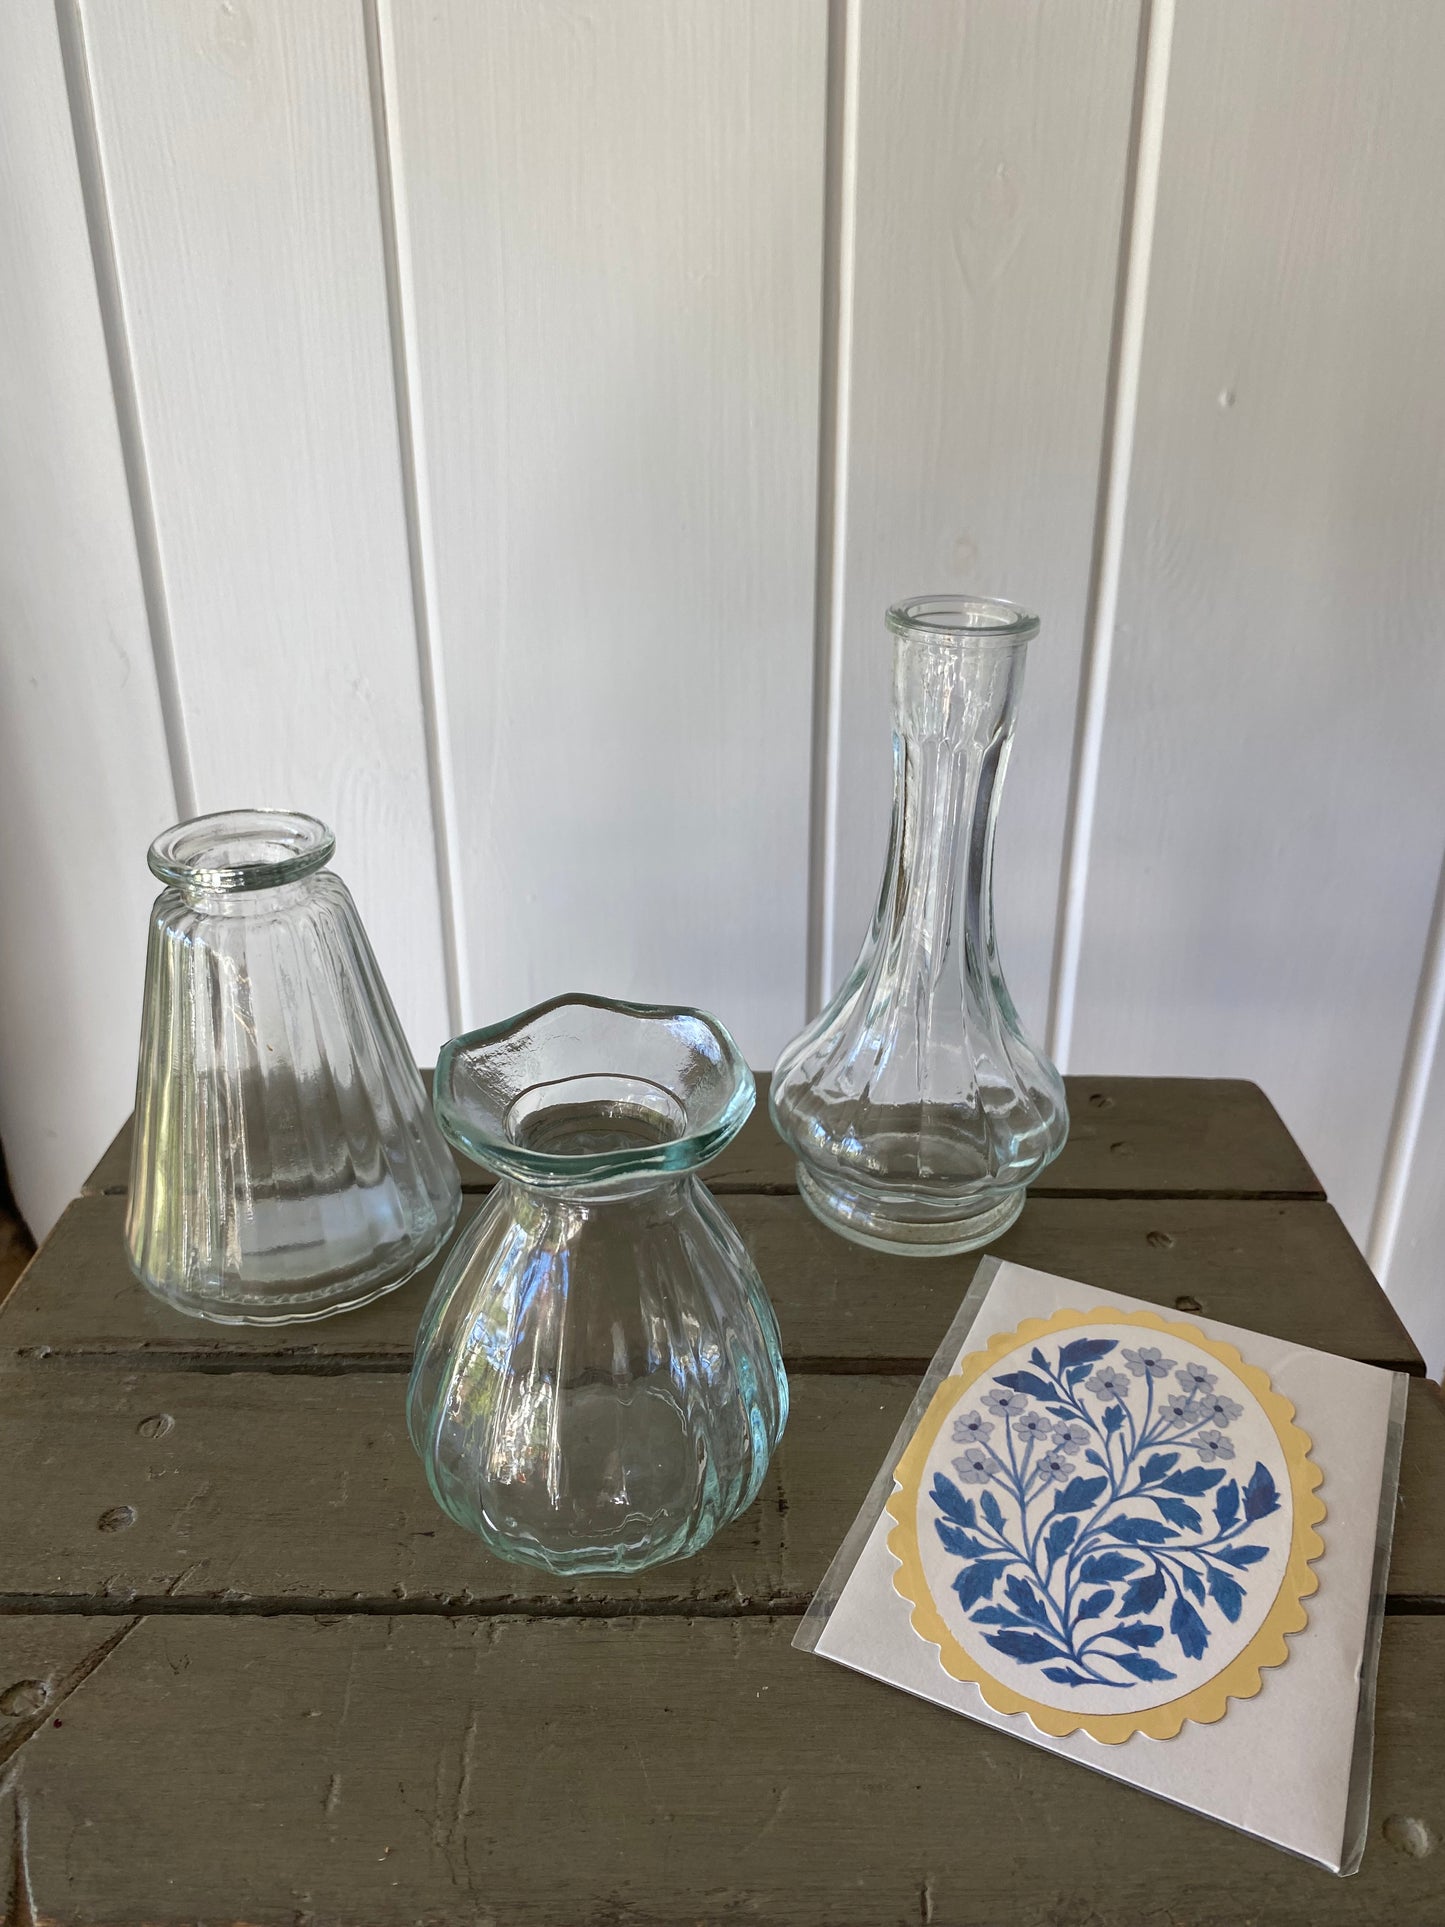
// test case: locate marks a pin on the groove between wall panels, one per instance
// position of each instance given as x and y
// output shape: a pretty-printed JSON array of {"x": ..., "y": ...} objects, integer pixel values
[
  {"x": 1156, "y": 30},
  {"x": 1427, "y": 1021},
  {"x": 396, "y": 250},
  {"x": 80, "y": 97},
  {"x": 834, "y": 415}
]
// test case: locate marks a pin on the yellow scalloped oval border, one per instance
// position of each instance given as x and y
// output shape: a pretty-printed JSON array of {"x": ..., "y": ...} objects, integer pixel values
[{"x": 1241, "y": 1679}]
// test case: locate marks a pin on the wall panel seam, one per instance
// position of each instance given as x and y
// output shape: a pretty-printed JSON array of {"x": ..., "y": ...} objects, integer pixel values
[
  {"x": 840, "y": 200},
  {"x": 80, "y": 96},
  {"x": 400, "y": 305},
  {"x": 1116, "y": 458},
  {"x": 1427, "y": 1020}
]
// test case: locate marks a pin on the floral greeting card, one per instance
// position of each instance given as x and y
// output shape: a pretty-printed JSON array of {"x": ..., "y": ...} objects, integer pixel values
[{"x": 1147, "y": 1541}]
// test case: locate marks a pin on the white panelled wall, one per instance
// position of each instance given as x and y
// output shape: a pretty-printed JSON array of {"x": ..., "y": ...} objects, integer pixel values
[{"x": 499, "y": 429}]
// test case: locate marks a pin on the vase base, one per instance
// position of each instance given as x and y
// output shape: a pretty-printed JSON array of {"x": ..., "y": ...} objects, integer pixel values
[{"x": 883, "y": 1224}]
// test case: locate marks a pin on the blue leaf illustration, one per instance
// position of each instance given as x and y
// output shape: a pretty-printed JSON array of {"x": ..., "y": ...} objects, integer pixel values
[
  {"x": 1026, "y": 1600},
  {"x": 1198, "y": 1479},
  {"x": 977, "y": 1581},
  {"x": 992, "y": 1511},
  {"x": 1092, "y": 1456},
  {"x": 1107, "y": 1565},
  {"x": 1153, "y": 1469},
  {"x": 1141, "y": 1667},
  {"x": 1067, "y": 1678},
  {"x": 1226, "y": 1505},
  {"x": 1226, "y": 1593},
  {"x": 1028, "y": 1647},
  {"x": 1078, "y": 1495},
  {"x": 1063, "y": 1411},
  {"x": 1060, "y": 1535},
  {"x": 1192, "y": 1582},
  {"x": 948, "y": 1498},
  {"x": 1180, "y": 1513},
  {"x": 1137, "y": 1633},
  {"x": 956, "y": 1540},
  {"x": 1188, "y": 1628},
  {"x": 1026, "y": 1383},
  {"x": 1079, "y": 1371},
  {"x": 1143, "y": 1532},
  {"x": 1036, "y": 1357},
  {"x": 1094, "y": 1605},
  {"x": 1241, "y": 1556},
  {"x": 1083, "y": 1351},
  {"x": 996, "y": 1616},
  {"x": 1260, "y": 1497},
  {"x": 1113, "y": 1417},
  {"x": 1143, "y": 1595}
]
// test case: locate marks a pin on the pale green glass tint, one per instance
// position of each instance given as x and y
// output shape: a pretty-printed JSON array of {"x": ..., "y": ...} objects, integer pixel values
[
  {"x": 598, "y": 1384},
  {"x": 286, "y": 1164},
  {"x": 916, "y": 1106}
]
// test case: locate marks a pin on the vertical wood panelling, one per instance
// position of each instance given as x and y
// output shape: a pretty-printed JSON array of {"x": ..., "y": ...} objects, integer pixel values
[
  {"x": 84, "y": 780},
  {"x": 1267, "y": 835},
  {"x": 237, "y": 150},
  {"x": 992, "y": 149},
  {"x": 1407, "y": 1237},
  {"x": 611, "y": 226}
]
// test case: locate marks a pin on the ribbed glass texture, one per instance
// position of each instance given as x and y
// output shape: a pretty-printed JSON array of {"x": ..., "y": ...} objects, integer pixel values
[
  {"x": 286, "y": 1164},
  {"x": 598, "y": 1384},
  {"x": 917, "y": 1107}
]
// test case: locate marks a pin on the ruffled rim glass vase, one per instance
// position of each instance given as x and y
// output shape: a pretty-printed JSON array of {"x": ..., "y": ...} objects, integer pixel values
[
  {"x": 598, "y": 1384},
  {"x": 916, "y": 1106},
  {"x": 286, "y": 1165}
]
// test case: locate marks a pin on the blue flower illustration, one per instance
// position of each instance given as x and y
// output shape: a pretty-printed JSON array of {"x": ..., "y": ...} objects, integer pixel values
[
  {"x": 1220, "y": 1410},
  {"x": 974, "y": 1467},
  {"x": 1004, "y": 1402},
  {"x": 1148, "y": 1362},
  {"x": 1195, "y": 1377},
  {"x": 1109, "y": 1382},
  {"x": 1100, "y": 1573}
]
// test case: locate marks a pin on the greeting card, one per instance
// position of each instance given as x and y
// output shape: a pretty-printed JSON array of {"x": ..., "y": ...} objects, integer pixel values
[{"x": 1154, "y": 1543}]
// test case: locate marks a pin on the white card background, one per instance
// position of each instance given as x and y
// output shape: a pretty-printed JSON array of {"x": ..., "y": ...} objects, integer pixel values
[{"x": 1277, "y": 1765}]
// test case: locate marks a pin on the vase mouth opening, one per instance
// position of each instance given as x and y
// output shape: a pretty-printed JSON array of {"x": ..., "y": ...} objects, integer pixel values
[
  {"x": 241, "y": 850},
  {"x": 583, "y": 1090},
  {"x": 975, "y": 620}
]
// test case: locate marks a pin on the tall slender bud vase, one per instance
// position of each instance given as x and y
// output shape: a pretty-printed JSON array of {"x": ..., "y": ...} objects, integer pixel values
[
  {"x": 286, "y": 1164},
  {"x": 916, "y": 1106}
]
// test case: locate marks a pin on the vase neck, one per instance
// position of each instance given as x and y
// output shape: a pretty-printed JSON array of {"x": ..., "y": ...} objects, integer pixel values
[{"x": 953, "y": 716}]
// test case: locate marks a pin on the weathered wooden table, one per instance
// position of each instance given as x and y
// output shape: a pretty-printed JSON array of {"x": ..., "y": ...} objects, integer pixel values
[{"x": 248, "y": 1672}]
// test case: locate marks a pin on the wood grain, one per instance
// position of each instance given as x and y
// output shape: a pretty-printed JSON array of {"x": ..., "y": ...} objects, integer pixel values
[
  {"x": 241, "y": 184},
  {"x": 974, "y": 400},
  {"x": 1267, "y": 837},
  {"x": 1289, "y": 1269},
  {"x": 610, "y": 222},
  {"x": 648, "y": 1770},
  {"x": 84, "y": 778},
  {"x": 258, "y": 1492},
  {"x": 1128, "y": 1136}
]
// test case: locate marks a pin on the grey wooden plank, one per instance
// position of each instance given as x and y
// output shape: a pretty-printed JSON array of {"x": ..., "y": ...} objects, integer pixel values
[
  {"x": 1129, "y": 1136},
  {"x": 1289, "y": 1269},
  {"x": 276, "y": 1492},
  {"x": 413, "y": 1770}
]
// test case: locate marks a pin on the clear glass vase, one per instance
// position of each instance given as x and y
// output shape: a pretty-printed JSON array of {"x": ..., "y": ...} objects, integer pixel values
[
  {"x": 916, "y": 1106},
  {"x": 598, "y": 1384},
  {"x": 286, "y": 1164}
]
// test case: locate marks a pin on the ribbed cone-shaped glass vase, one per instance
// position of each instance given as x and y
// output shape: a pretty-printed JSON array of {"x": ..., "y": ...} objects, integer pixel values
[
  {"x": 916, "y": 1105},
  {"x": 598, "y": 1384},
  {"x": 286, "y": 1164}
]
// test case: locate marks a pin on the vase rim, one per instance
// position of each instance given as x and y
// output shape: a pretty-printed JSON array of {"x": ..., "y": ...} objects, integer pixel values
[
  {"x": 981, "y": 620},
  {"x": 248, "y": 849},
  {"x": 674, "y": 1070}
]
